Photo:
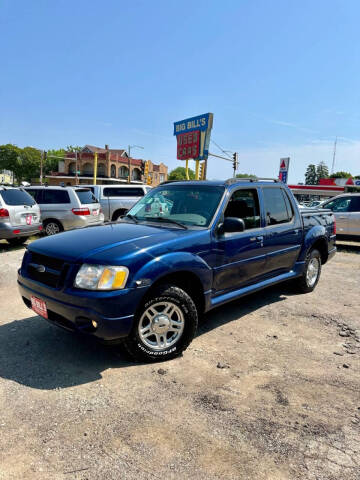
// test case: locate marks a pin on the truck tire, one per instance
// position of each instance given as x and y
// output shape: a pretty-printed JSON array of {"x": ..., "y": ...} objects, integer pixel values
[
  {"x": 52, "y": 227},
  {"x": 311, "y": 275},
  {"x": 117, "y": 214},
  {"x": 164, "y": 325}
]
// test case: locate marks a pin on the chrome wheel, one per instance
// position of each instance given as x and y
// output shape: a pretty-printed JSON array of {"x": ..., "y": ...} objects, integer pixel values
[
  {"x": 161, "y": 325},
  {"x": 52, "y": 228},
  {"x": 312, "y": 272}
]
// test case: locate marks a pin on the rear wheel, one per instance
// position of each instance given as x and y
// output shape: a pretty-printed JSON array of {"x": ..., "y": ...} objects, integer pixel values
[
  {"x": 17, "y": 241},
  {"x": 311, "y": 275},
  {"x": 164, "y": 326},
  {"x": 52, "y": 227},
  {"x": 118, "y": 214}
]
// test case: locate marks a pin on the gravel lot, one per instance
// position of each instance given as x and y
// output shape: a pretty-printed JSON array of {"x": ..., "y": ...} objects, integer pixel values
[{"x": 269, "y": 389}]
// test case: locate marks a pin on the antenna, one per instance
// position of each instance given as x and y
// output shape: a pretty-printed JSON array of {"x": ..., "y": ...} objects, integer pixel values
[{"x": 334, "y": 155}]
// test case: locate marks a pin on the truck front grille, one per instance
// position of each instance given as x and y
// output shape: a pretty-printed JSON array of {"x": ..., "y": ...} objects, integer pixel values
[{"x": 47, "y": 270}]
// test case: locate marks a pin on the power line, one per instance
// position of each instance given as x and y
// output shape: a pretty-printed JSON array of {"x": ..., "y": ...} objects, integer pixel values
[{"x": 221, "y": 149}]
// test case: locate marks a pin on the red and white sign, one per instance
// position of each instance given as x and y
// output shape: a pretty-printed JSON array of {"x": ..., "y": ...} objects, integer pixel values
[
  {"x": 188, "y": 145},
  {"x": 39, "y": 306},
  {"x": 28, "y": 219},
  {"x": 284, "y": 164}
]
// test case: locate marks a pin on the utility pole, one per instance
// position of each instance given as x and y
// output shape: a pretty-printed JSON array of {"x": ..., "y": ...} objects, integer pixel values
[
  {"x": 334, "y": 155},
  {"x": 129, "y": 155},
  {"x": 76, "y": 169},
  {"x": 41, "y": 166}
]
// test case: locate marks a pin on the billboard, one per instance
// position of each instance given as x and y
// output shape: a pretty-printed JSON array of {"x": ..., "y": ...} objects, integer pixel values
[
  {"x": 284, "y": 169},
  {"x": 193, "y": 137}
]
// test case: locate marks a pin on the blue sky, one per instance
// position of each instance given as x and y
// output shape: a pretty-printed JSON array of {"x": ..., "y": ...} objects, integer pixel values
[{"x": 281, "y": 77}]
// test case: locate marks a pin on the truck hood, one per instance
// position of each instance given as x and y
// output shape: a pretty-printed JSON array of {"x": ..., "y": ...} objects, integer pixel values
[{"x": 107, "y": 242}]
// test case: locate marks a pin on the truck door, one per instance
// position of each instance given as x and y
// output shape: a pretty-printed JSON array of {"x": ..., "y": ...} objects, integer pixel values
[
  {"x": 341, "y": 207},
  {"x": 354, "y": 216},
  {"x": 240, "y": 256},
  {"x": 283, "y": 231}
]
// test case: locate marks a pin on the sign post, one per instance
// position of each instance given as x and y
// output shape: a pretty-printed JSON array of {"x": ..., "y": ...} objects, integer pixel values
[
  {"x": 193, "y": 138},
  {"x": 284, "y": 169}
]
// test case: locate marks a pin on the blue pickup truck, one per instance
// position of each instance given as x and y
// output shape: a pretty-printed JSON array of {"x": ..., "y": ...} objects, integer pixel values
[{"x": 183, "y": 249}]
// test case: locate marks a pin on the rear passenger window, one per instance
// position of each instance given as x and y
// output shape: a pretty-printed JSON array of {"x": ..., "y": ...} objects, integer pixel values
[
  {"x": 244, "y": 204},
  {"x": 276, "y": 210},
  {"x": 55, "y": 196},
  {"x": 86, "y": 196},
  {"x": 123, "y": 192},
  {"x": 355, "y": 204},
  {"x": 288, "y": 206}
]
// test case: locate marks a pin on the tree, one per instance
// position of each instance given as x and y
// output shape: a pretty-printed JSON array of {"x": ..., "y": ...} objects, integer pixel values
[
  {"x": 310, "y": 175},
  {"x": 245, "y": 175},
  {"x": 179, "y": 173},
  {"x": 322, "y": 171},
  {"x": 73, "y": 148},
  {"x": 52, "y": 159},
  {"x": 23, "y": 162},
  {"x": 341, "y": 175}
]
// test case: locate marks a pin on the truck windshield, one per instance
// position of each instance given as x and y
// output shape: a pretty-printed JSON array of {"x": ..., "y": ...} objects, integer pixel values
[
  {"x": 17, "y": 197},
  {"x": 187, "y": 204}
]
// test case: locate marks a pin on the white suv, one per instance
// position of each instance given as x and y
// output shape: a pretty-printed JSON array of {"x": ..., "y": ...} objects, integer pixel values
[{"x": 19, "y": 215}]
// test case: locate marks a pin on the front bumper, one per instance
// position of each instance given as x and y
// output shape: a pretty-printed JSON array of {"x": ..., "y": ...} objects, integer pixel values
[
  {"x": 112, "y": 311},
  {"x": 7, "y": 230}
]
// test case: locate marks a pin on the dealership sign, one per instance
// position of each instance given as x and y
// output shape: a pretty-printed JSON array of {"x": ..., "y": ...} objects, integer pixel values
[
  {"x": 193, "y": 137},
  {"x": 284, "y": 169}
]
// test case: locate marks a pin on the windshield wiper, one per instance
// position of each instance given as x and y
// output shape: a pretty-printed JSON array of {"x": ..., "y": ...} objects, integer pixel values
[
  {"x": 167, "y": 220},
  {"x": 132, "y": 217}
]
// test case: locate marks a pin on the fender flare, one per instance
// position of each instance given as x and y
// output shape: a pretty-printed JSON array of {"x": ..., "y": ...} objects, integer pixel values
[{"x": 171, "y": 263}]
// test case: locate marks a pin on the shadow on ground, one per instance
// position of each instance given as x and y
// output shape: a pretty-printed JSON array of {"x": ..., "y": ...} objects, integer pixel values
[
  {"x": 39, "y": 355},
  {"x": 344, "y": 246}
]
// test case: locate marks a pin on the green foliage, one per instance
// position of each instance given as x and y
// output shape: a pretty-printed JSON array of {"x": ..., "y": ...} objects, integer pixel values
[
  {"x": 52, "y": 159},
  {"x": 310, "y": 175},
  {"x": 73, "y": 148},
  {"x": 23, "y": 162},
  {"x": 245, "y": 175},
  {"x": 341, "y": 175},
  {"x": 322, "y": 171},
  {"x": 179, "y": 173}
]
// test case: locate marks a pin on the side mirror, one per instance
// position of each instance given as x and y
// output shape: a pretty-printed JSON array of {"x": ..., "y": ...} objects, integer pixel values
[{"x": 232, "y": 224}]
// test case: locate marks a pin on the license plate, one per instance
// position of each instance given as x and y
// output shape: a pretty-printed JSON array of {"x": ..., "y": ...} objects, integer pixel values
[
  {"x": 28, "y": 219},
  {"x": 95, "y": 212},
  {"x": 39, "y": 306}
]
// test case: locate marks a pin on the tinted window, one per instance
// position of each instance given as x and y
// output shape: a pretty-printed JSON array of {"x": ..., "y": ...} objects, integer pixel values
[
  {"x": 35, "y": 194},
  {"x": 288, "y": 205},
  {"x": 85, "y": 196},
  {"x": 275, "y": 206},
  {"x": 16, "y": 197},
  {"x": 244, "y": 204},
  {"x": 55, "y": 196},
  {"x": 339, "y": 204},
  {"x": 123, "y": 192},
  {"x": 355, "y": 204}
]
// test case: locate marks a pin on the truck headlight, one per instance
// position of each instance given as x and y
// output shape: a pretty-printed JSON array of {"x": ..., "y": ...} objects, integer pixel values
[{"x": 101, "y": 277}]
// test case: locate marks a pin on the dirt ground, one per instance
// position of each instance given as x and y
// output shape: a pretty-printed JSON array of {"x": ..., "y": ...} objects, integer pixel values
[{"x": 269, "y": 389}]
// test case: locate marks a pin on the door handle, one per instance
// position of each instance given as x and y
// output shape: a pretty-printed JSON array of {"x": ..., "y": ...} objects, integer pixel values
[{"x": 257, "y": 239}]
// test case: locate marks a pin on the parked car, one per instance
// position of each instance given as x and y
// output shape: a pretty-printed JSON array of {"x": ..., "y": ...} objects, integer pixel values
[
  {"x": 346, "y": 209},
  {"x": 116, "y": 200},
  {"x": 19, "y": 215},
  {"x": 66, "y": 208},
  {"x": 146, "y": 279}
]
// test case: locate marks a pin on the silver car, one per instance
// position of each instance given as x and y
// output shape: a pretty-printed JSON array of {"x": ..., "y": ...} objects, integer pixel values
[
  {"x": 116, "y": 200},
  {"x": 346, "y": 209},
  {"x": 19, "y": 215},
  {"x": 65, "y": 208}
]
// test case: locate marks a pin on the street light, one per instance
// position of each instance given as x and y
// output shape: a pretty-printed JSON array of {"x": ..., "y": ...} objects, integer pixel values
[{"x": 129, "y": 155}]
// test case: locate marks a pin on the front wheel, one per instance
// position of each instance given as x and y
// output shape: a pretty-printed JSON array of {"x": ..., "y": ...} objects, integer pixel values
[
  {"x": 164, "y": 326},
  {"x": 311, "y": 275}
]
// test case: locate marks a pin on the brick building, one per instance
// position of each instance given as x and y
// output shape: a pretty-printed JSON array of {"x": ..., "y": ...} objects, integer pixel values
[{"x": 112, "y": 167}]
